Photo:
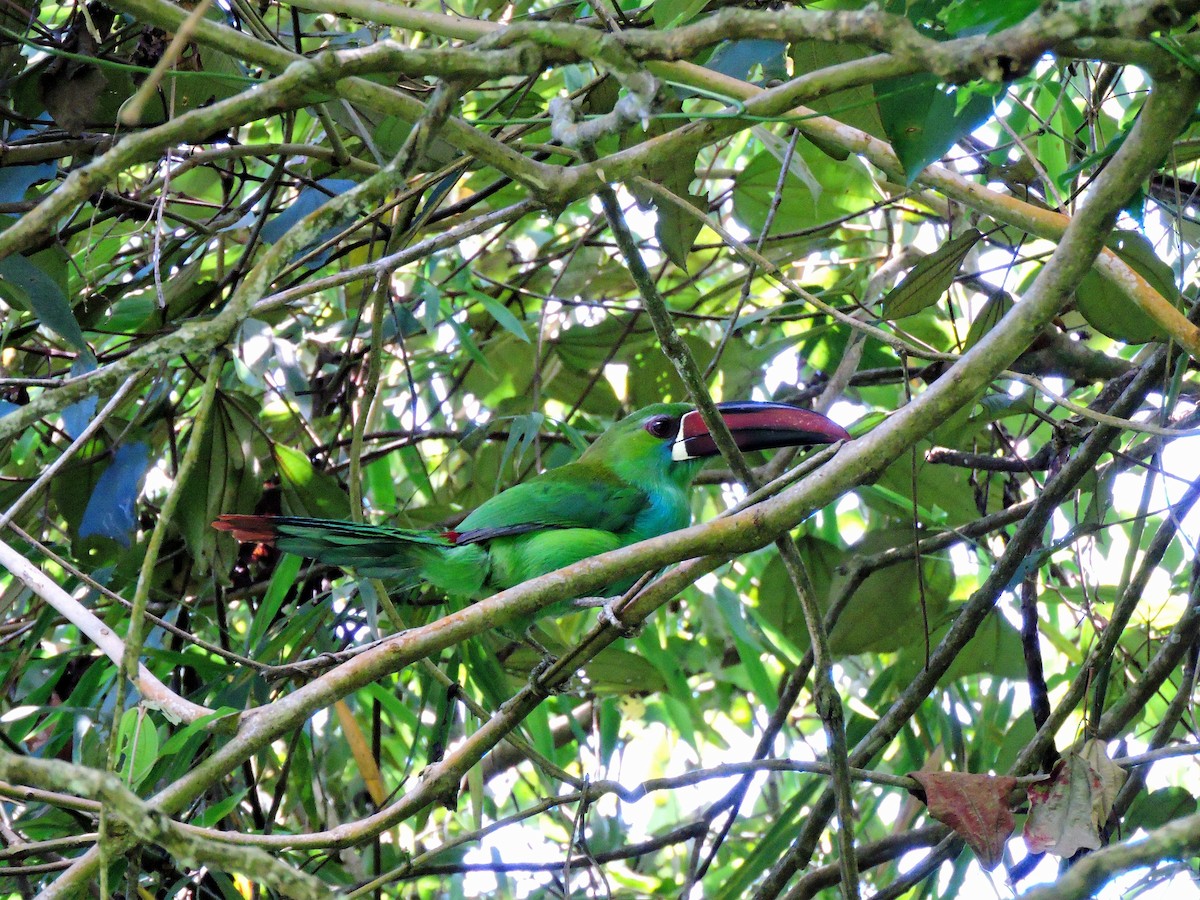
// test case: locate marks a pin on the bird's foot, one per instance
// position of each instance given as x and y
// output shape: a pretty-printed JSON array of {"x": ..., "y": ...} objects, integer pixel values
[
  {"x": 609, "y": 617},
  {"x": 539, "y": 670}
]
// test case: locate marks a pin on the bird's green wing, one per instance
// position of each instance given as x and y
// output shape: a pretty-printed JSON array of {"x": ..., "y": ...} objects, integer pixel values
[{"x": 574, "y": 496}]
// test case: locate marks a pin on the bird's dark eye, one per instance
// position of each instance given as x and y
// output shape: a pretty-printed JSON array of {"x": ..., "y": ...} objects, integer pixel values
[{"x": 663, "y": 427}]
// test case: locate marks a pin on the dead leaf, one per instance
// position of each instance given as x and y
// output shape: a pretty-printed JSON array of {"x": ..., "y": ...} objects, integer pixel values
[
  {"x": 1061, "y": 815},
  {"x": 70, "y": 88},
  {"x": 1107, "y": 780},
  {"x": 975, "y": 806}
]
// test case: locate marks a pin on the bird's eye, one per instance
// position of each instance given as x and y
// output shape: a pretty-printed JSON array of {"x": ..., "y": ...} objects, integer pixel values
[{"x": 663, "y": 427}]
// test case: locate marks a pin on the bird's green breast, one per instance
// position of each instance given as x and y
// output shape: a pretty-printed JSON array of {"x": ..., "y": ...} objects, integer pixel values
[{"x": 520, "y": 557}]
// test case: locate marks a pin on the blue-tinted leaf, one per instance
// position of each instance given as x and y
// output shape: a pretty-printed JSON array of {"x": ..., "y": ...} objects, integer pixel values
[
  {"x": 77, "y": 416},
  {"x": 109, "y": 512},
  {"x": 45, "y": 297},
  {"x": 738, "y": 58},
  {"x": 16, "y": 180},
  {"x": 310, "y": 200},
  {"x": 431, "y": 304}
]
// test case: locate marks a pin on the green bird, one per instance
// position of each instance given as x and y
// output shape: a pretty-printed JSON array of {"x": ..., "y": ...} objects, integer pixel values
[{"x": 630, "y": 485}]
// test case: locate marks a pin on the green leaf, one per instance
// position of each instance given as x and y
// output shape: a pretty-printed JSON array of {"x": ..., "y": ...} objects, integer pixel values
[
  {"x": 215, "y": 812},
  {"x": 204, "y": 724},
  {"x": 501, "y": 314},
  {"x": 669, "y": 13},
  {"x": 995, "y": 309},
  {"x": 1109, "y": 310},
  {"x": 469, "y": 345},
  {"x": 307, "y": 492},
  {"x": 676, "y": 230},
  {"x": 923, "y": 120},
  {"x": 137, "y": 746},
  {"x": 854, "y": 106},
  {"x": 885, "y": 612},
  {"x": 21, "y": 280},
  {"x": 930, "y": 278},
  {"x": 283, "y": 580},
  {"x": 1156, "y": 808},
  {"x": 843, "y": 189},
  {"x": 227, "y": 479}
]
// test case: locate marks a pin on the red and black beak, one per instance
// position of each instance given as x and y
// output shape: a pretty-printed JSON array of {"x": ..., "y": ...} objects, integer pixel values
[{"x": 756, "y": 426}]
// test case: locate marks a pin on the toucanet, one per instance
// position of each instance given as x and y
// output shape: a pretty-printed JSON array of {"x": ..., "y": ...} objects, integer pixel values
[{"x": 632, "y": 483}]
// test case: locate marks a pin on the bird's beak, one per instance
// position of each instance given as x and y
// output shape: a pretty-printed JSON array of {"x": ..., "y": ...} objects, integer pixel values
[{"x": 756, "y": 426}]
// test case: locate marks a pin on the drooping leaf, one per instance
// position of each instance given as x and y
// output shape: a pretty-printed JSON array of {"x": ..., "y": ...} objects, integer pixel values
[
  {"x": 78, "y": 415},
  {"x": 110, "y": 511},
  {"x": 975, "y": 806},
  {"x": 1108, "y": 779},
  {"x": 1062, "y": 817},
  {"x": 137, "y": 746},
  {"x": 930, "y": 278},
  {"x": 1107, "y": 307},
  {"x": 923, "y": 120},
  {"x": 227, "y": 478},
  {"x": 994, "y": 309},
  {"x": 676, "y": 230},
  {"x": 502, "y": 315},
  {"x": 28, "y": 282}
]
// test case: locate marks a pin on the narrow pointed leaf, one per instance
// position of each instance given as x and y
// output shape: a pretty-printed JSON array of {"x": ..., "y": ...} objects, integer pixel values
[{"x": 930, "y": 278}]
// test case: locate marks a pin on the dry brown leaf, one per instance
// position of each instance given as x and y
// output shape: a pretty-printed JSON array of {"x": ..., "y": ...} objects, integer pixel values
[
  {"x": 1108, "y": 778},
  {"x": 975, "y": 806}
]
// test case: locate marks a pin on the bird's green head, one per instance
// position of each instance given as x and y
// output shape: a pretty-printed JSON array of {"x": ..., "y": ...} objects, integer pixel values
[{"x": 671, "y": 441}]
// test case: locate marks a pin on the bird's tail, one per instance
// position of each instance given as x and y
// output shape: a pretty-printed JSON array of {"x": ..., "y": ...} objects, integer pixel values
[{"x": 376, "y": 551}]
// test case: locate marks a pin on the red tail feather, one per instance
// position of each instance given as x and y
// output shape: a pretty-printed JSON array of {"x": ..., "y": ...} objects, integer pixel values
[{"x": 260, "y": 529}]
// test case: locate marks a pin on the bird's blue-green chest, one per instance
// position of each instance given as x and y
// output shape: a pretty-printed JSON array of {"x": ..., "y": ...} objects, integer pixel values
[{"x": 666, "y": 509}]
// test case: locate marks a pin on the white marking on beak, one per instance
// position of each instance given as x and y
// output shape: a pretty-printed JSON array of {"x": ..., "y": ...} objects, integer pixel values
[{"x": 679, "y": 451}]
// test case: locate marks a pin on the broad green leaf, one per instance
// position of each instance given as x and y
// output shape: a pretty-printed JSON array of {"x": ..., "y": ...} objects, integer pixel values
[
  {"x": 930, "y": 278},
  {"x": 670, "y": 13},
  {"x": 885, "y": 612},
  {"x": 844, "y": 190},
  {"x": 306, "y": 491},
  {"x": 25, "y": 282},
  {"x": 1109, "y": 310},
  {"x": 923, "y": 120},
  {"x": 855, "y": 106},
  {"x": 137, "y": 746},
  {"x": 1159, "y": 807}
]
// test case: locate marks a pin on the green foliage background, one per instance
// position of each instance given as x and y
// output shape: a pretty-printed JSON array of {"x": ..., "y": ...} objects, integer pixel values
[{"x": 322, "y": 294}]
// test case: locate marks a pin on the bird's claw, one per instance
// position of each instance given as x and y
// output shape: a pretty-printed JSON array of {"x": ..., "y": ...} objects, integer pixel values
[
  {"x": 609, "y": 617},
  {"x": 541, "y": 668}
]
